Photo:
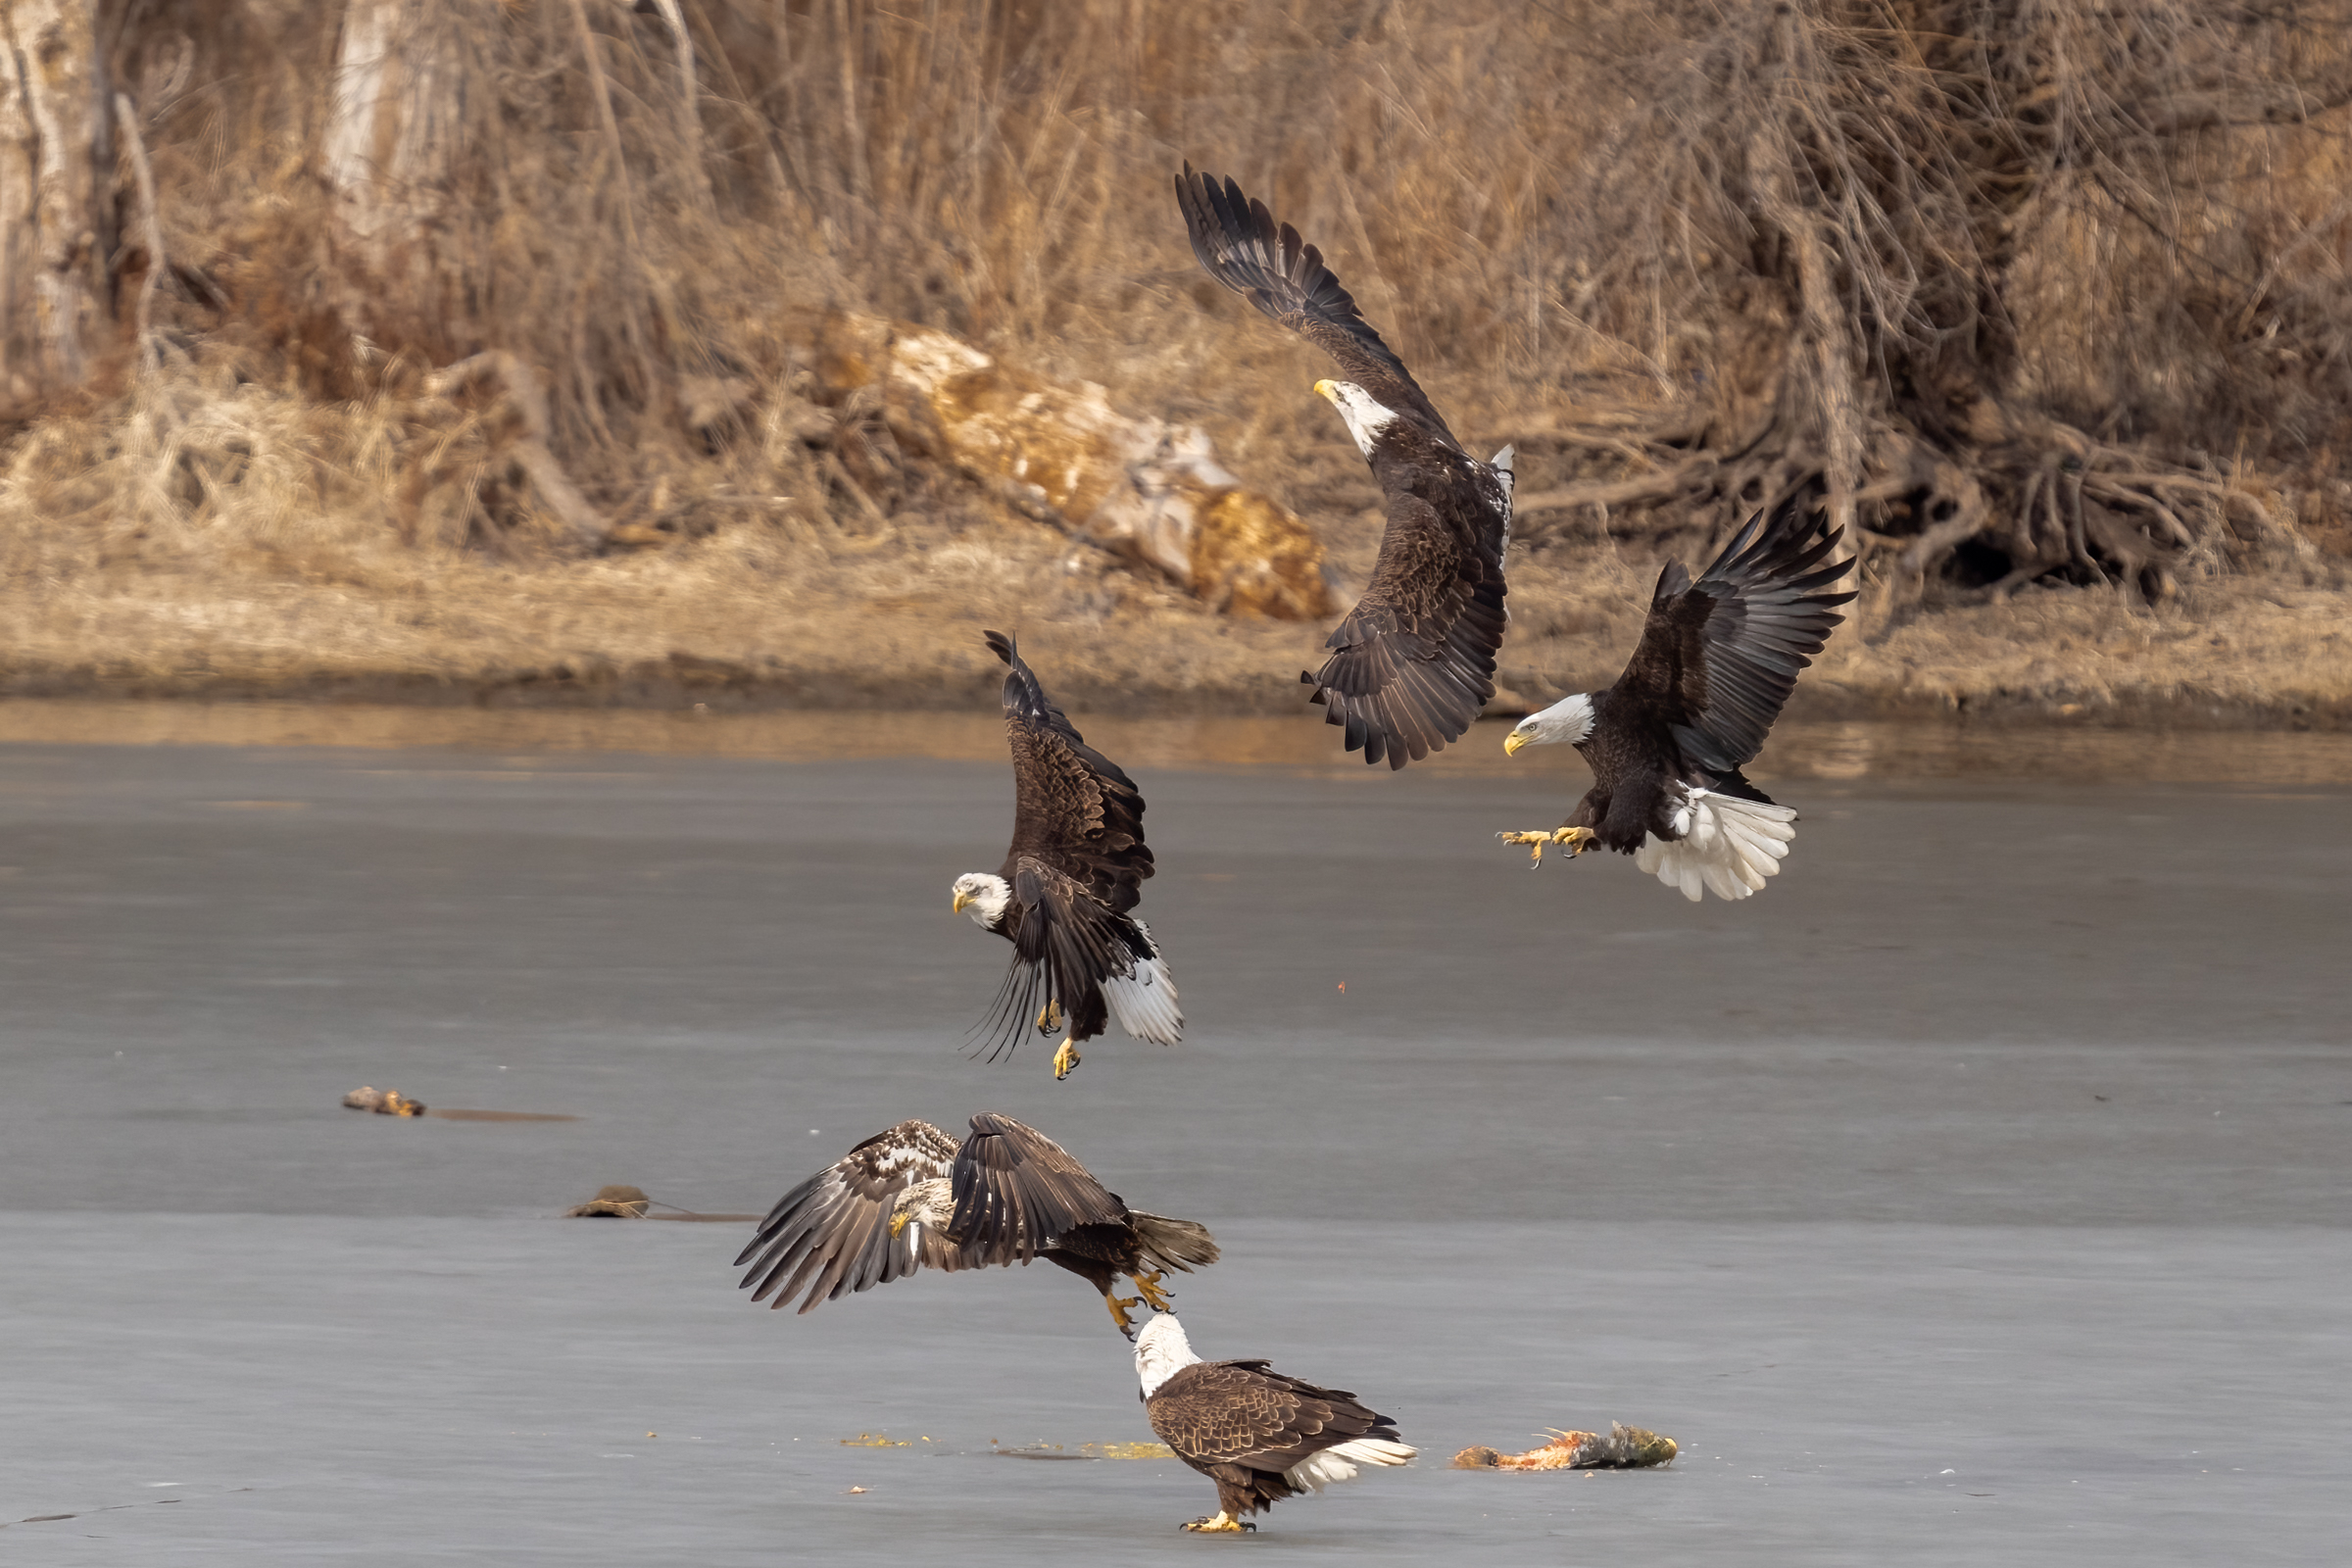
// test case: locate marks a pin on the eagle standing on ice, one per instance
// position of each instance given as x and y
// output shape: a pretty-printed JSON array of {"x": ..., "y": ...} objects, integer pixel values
[
  {"x": 1414, "y": 662},
  {"x": 1259, "y": 1434},
  {"x": 1063, "y": 895},
  {"x": 1717, "y": 659},
  {"x": 910, "y": 1198}
]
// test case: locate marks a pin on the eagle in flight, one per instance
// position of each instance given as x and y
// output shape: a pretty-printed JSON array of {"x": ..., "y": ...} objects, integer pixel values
[
  {"x": 911, "y": 1197},
  {"x": 1717, "y": 659},
  {"x": 1413, "y": 662},
  {"x": 1065, "y": 895}
]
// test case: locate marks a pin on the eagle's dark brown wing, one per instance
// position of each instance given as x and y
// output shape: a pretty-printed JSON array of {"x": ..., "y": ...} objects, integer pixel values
[
  {"x": 1074, "y": 808},
  {"x": 1241, "y": 247},
  {"x": 1245, "y": 1413},
  {"x": 1016, "y": 1190},
  {"x": 832, "y": 1232},
  {"x": 1414, "y": 662},
  {"x": 1719, "y": 657}
]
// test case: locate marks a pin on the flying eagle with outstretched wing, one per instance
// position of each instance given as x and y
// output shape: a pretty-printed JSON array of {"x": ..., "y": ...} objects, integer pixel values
[
  {"x": 1065, "y": 895},
  {"x": 1717, "y": 659},
  {"x": 1413, "y": 662},
  {"x": 913, "y": 1199},
  {"x": 1260, "y": 1435}
]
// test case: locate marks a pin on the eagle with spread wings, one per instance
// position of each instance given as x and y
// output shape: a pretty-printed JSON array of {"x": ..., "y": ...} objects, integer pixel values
[
  {"x": 1413, "y": 662},
  {"x": 1067, "y": 893},
  {"x": 911, "y": 1199},
  {"x": 1717, "y": 660}
]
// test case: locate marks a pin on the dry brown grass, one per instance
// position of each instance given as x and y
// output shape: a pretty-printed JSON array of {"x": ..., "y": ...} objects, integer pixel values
[{"x": 2081, "y": 272}]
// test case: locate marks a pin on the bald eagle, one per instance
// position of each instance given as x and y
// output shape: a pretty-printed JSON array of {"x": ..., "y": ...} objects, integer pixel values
[
  {"x": 910, "y": 1198},
  {"x": 1717, "y": 659},
  {"x": 1260, "y": 1435},
  {"x": 1414, "y": 662},
  {"x": 1064, "y": 896}
]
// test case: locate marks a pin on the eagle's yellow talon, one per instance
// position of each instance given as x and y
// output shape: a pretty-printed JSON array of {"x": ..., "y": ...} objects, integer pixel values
[
  {"x": 1065, "y": 1059},
  {"x": 1118, "y": 1306},
  {"x": 1224, "y": 1524},
  {"x": 1577, "y": 840},
  {"x": 1049, "y": 1017},
  {"x": 1153, "y": 1296}
]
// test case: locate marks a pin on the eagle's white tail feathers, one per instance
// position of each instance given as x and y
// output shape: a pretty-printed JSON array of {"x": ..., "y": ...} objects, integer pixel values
[
  {"x": 1145, "y": 1001},
  {"x": 1724, "y": 845},
  {"x": 1333, "y": 1465}
]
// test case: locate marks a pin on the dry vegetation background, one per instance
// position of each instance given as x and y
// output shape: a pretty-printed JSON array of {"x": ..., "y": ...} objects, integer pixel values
[{"x": 452, "y": 346}]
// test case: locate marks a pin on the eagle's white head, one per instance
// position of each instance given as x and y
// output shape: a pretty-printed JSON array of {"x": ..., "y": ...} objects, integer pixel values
[
  {"x": 1366, "y": 415},
  {"x": 1570, "y": 719},
  {"x": 985, "y": 894},
  {"x": 1160, "y": 1352},
  {"x": 931, "y": 1203}
]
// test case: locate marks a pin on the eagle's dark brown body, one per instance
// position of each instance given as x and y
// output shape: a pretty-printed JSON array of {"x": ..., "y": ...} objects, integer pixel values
[{"x": 1632, "y": 765}]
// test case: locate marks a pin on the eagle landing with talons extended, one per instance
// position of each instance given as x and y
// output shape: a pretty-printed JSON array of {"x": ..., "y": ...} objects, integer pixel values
[
  {"x": 1065, "y": 895},
  {"x": 1717, "y": 660},
  {"x": 1413, "y": 662}
]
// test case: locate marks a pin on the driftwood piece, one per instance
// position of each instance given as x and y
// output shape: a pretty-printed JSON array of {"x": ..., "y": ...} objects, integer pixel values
[
  {"x": 1146, "y": 489},
  {"x": 631, "y": 1202},
  {"x": 613, "y": 1202},
  {"x": 383, "y": 1102},
  {"x": 1623, "y": 1448}
]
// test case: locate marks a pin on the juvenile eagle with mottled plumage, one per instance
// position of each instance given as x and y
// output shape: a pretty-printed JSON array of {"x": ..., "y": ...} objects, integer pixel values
[
  {"x": 1717, "y": 660},
  {"x": 1260, "y": 1435},
  {"x": 1065, "y": 895},
  {"x": 912, "y": 1198},
  {"x": 1414, "y": 660}
]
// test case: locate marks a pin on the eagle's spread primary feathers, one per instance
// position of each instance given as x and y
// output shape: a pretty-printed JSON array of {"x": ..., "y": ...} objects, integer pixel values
[
  {"x": 1414, "y": 662},
  {"x": 910, "y": 1198}
]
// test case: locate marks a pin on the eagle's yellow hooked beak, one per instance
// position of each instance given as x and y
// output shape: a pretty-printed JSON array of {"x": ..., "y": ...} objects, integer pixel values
[
  {"x": 897, "y": 1222},
  {"x": 1513, "y": 741},
  {"x": 1328, "y": 389},
  {"x": 962, "y": 898}
]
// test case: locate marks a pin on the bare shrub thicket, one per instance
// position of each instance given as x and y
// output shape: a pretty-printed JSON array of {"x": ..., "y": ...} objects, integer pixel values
[
  {"x": 2044, "y": 290},
  {"x": 2047, "y": 291}
]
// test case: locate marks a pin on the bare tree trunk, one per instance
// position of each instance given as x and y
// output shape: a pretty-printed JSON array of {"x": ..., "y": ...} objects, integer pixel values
[
  {"x": 395, "y": 126},
  {"x": 52, "y": 265}
]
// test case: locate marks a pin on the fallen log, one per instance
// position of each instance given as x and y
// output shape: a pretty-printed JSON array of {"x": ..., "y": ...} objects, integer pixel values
[{"x": 1146, "y": 489}]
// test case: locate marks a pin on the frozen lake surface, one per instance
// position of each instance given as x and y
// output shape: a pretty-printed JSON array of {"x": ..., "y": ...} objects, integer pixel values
[{"x": 1979, "y": 1193}]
